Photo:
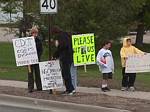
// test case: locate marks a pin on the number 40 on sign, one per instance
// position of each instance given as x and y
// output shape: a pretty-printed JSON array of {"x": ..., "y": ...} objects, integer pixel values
[{"x": 48, "y": 6}]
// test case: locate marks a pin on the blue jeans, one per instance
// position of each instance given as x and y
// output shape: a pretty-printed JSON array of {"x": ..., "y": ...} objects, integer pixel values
[{"x": 73, "y": 70}]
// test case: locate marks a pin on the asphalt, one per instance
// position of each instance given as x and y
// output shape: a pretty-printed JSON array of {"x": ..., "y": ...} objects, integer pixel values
[
  {"x": 22, "y": 104},
  {"x": 118, "y": 93},
  {"x": 5, "y": 108}
]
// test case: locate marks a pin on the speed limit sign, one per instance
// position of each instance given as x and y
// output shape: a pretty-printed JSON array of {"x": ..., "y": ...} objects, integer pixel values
[{"x": 48, "y": 6}]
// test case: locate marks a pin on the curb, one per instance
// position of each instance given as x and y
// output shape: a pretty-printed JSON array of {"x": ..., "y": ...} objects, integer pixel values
[{"x": 48, "y": 104}]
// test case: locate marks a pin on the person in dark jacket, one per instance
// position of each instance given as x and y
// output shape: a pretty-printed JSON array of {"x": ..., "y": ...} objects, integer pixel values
[
  {"x": 64, "y": 53},
  {"x": 35, "y": 68}
]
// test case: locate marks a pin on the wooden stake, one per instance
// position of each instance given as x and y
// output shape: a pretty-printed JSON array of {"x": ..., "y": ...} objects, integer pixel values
[
  {"x": 54, "y": 91},
  {"x": 29, "y": 68},
  {"x": 85, "y": 69}
]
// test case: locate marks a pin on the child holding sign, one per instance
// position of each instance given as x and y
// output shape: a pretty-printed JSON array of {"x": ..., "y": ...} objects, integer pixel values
[
  {"x": 128, "y": 79},
  {"x": 106, "y": 64}
]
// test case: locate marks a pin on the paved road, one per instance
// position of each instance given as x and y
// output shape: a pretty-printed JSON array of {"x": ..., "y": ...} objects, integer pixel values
[
  {"x": 22, "y": 104},
  {"x": 4, "y": 108}
]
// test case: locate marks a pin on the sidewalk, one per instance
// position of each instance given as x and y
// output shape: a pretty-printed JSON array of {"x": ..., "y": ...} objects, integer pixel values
[{"x": 116, "y": 93}]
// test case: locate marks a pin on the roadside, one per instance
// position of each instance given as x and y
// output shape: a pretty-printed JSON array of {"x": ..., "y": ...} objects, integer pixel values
[
  {"x": 92, "y": 78},
  {"x": 135, "y": 102},
  {"x": 116, "y": 93},
  {"x": 131, "y": 104},
  {"x": 50, "y": 106}
]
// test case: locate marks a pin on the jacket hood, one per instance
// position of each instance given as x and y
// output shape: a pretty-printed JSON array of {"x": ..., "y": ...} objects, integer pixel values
[{"x": 125, "y": 41}]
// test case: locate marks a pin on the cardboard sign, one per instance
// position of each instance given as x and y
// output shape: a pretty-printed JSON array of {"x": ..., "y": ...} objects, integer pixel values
[
  {"x": 138, "y": 63},
  {"x": 84, "y": 49},
  {"x": 51, "y": 76},
  {"x": 25, "y": 51}
]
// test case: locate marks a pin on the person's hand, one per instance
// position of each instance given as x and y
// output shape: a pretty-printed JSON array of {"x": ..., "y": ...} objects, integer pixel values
[
  {"x": 126, "y": 58},
  {"x": 56, "y": 43},
  {"x": 53, "y": 58}
]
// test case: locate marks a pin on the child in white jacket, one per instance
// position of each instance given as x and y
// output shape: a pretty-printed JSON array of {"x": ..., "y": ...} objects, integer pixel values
[{"x": 106, "y": 64}]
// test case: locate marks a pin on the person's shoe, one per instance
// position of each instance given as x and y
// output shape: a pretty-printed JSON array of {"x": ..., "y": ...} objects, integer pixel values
[
  {"x": 104, "y": 89},
  {"x": 71, "y": 93},
  {"x": 39, "y": 89},
  {"x": 68, "y": 93},
  {"x": 74, "y": 91},
  {"x": 30, "y": 91},
  {"x": 124, "y": 89},
  {"x": 65, "y": 93},
  {"x": 50, "y": 91},
  {"x": 132, "y": 89},
  {"x": 108, "y": 89}
]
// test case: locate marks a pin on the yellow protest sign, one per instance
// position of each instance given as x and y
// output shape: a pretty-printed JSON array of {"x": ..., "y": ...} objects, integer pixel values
[{"x": 84, "y": 49}]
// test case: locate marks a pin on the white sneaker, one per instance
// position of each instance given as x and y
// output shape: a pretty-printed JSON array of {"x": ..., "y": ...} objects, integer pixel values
[
  {"x": 74, "y": 91},
  {"x": 132, "y": 89},
  {"x": 71, "y": 93},
  {"x": 124, "y": 89}
]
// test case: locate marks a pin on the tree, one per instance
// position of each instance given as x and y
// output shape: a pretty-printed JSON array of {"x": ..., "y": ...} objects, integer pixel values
[
  {"x": 10, "y": 7},
  {"x": 143, "y": 23},
  {"x": 108, "y": 19}
]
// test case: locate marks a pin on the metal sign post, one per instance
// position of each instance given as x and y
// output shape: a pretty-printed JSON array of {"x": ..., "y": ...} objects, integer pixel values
[
  {"x": 49, "y": 7},
  {"x": 49, "y": 35}
]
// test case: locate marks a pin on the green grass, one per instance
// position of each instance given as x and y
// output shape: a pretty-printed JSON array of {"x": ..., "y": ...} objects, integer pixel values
[{"x": 9, "y": 71}]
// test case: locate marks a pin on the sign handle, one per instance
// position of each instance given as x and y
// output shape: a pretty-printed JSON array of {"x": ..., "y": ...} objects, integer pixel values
[
  {"x": 85, "y": 68},
  {"x": 29, "y": 69},
  {"x": 54, "y": 91}
]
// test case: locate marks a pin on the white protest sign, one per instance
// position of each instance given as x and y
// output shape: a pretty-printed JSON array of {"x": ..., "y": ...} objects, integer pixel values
[
  {"x": 25, "y": 51},
  {"x": 138, "y": 63},
  {"x": 51, "y": 76},
  {"x": 48, "y": 6}
]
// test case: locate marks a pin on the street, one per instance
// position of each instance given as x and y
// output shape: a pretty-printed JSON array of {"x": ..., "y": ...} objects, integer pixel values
[
  {"x": 22, "y": 104},
  {"x": 17, "y": 109}
]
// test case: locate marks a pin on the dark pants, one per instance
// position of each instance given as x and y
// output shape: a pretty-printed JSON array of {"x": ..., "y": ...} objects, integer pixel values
[
  {"x": 67, "y": 76},
  {"x": 34, "y": 69},
  {"x": 128, "y": 79}
]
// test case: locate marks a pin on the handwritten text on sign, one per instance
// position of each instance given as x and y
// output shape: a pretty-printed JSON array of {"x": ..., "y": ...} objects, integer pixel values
[
  {"x": 25, "y": 51},
  {"x": 51, "y": 77},
  {"x": 84, "y": 49},
  {"x": 138, "y": 63}
]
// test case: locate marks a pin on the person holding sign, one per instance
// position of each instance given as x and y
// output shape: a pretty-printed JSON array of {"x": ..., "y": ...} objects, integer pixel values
[
  {"x": 128, "y": 79},
  {"x": 35, "y": 68},
  {"x": 106, "y": 65},
  {"x": 64, "y": 53}
]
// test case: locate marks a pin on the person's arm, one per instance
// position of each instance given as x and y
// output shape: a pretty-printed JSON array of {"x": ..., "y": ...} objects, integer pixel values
[
  {"x": 100, "y": 60},
  {"x": 138, "y": 51},
  {"x": 57, "y": 53},
  {"x": 123, "y": 56}
]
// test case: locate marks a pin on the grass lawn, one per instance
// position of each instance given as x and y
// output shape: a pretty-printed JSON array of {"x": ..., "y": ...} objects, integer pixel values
[{"x": 9, "y": 71}]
